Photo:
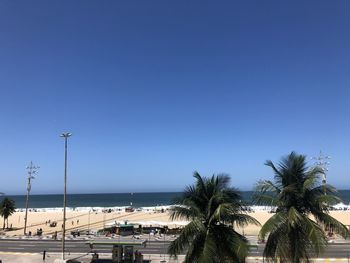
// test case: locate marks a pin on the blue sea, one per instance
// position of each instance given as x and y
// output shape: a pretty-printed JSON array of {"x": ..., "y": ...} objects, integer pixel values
[{"x": 118, "y": 199}]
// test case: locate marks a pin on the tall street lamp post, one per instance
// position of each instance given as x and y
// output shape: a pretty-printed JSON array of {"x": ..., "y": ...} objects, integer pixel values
[
  {"x": 65, "y": 136},
  {"x": 32, "y": 170}
]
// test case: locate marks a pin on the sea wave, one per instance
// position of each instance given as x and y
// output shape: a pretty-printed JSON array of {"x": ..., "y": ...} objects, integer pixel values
[
  {"x": 98, "y": 209},
  {"x": 163, "y": 208}
]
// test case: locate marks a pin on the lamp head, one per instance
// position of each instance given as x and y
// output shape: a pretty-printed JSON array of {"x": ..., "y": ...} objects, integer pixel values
[{"x": 66, "y": 135}]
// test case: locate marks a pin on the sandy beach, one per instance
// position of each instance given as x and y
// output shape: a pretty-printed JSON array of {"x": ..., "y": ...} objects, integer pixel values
[{"x": 84, "y": 220}]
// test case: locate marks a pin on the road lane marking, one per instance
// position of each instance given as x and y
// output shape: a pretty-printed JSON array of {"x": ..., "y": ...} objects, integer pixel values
[{"x": 17, "y": 253}]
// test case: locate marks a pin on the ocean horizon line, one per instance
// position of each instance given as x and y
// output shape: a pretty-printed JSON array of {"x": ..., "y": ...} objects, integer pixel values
[
  {"x": 128, "y": 192},
  {"x": 135, "y": 199},
  {"x": 99, "y": 193}
]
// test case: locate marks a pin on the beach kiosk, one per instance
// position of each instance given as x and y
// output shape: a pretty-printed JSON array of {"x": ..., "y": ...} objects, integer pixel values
[
  {"x": 122, "y": 252},
  {"x": 124, "y": 229}
]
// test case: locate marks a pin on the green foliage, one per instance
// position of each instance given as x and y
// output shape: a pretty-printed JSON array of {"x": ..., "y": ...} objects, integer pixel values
[
  {"x": 7, "y": 208},
  {"x": 297, "y": 193},
  {"x": 213, "y": 208}
]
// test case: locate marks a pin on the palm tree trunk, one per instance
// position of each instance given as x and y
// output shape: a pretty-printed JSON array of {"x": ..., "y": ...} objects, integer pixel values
[{"x": 3, "y": 226}]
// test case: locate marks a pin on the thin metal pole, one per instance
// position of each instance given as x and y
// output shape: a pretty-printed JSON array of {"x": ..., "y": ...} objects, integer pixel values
[
  {"x": 27, "y": 201},
  {"x": 31, "y": 172},
  {"x": 104, "y": 220},
  {"x": 164, "y": 246},
  {"x": 89, "y": 223},
  {"x": 64, "y": 197}
]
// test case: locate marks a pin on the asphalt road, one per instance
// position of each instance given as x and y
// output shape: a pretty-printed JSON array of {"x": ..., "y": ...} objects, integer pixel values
[
  {"x": 78, "y": 246},
  {"x": 341, "y": 250}
]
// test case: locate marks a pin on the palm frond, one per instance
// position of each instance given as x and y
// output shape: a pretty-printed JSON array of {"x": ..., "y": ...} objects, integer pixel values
[
  {"x": 235, "y": 246},
  {"x": 277, "y": 244},
  {"x": 243, "y": 220},
  {"x": 294, "y": 217},
  {"x": 184, "y": 212},
  {"x": 195, "y": 249},
  {"x": 265, "y": 193},
  {"x": 315, "y": 235},
  {"x": 264, "y": 199},
  {"x": 332, "y": 223},
  {"x": 222, "y": 181},
  {"x": 313, "y": 177},
  {"x": 273, "y": 223},
  {"x": 201, "y": 183},
  {"x": 188, "y": 234},
  {"x": 327, "y": 200},
  {"x": 209, "y": 252},
  {"x": 277, "y": 172},
  {"x": 267, "y": 186}
]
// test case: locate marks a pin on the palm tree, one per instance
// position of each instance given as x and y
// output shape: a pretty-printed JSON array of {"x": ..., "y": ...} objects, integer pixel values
[
  {"x": 297, "y": 193},
  {"x": 213, "y": 208},
  {"x": 7, "y": 208}
]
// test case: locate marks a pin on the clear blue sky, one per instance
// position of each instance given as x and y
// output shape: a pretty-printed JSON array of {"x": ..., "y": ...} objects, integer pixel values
[{"x": 154, "y": 90}]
